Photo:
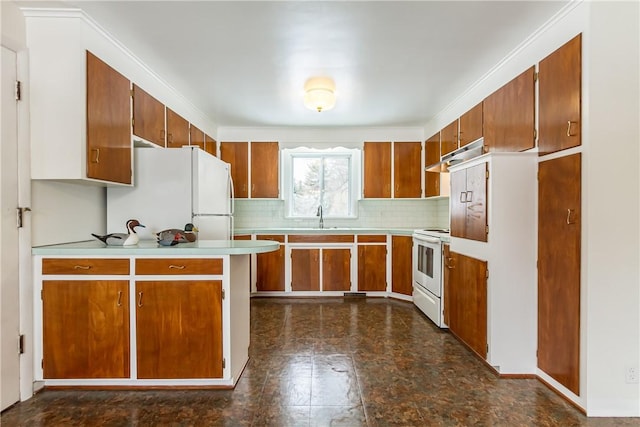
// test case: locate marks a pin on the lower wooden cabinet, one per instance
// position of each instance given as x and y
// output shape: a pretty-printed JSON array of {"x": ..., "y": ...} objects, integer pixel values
[
  {"x": 179, "y": 329},
  {"x": 85, "y": 328},
  {"x": 466, "y": 296},
  {"x": 335, "y": 268},
  {"x": 270, "y": 267},
  {"x": 401, "y": 268},
  {"x": 372, "y": 267},
  {"x": 305, "y": 269}
]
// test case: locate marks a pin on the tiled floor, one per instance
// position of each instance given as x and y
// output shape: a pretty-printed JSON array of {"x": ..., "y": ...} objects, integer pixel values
[{"x": 329, "y": 362}]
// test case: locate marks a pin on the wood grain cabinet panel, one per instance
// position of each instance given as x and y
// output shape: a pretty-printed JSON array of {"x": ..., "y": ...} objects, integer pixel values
[
  {"x": 210, "y": 145},
  {"x": 559, "y": 242},
  {"x": 560, "y": 98},
  {"x": 407, "y": 169},
  {"x": 471, "y": 126},
  {"x": 148, "y": 117},
  {"x": 85, "y": 327},
  {"x": 467, "y": 305},
  {"x": 377, "y": 170},
  {"x": 177, "y": 130},
  {"x": 509, "y": 115},
  {"x": 270, "y": 266},
  {"x": 432, "y": 156},
  {"x": 468, "y": 202},
  {"x": 305, "y": 269},
  {"x": 179, "y": 329},
  {"x": 449, "y": 138},
  {"x": 178, "y": 266},
  {"x": 237, "y": 155},
  {"x": 401, "y": 269},
  {"x": 264, "y": 170},
  {"x": 372, "y": 267},
  {"x": 108, "y": 123},
  {"x": 85, "y": 266},
  {"x": 336, "y": 269},
  {"x": 196, "y": 137}
]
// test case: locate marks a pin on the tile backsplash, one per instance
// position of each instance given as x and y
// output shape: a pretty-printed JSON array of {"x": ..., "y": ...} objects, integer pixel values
[{"x": 410, "y": 213}]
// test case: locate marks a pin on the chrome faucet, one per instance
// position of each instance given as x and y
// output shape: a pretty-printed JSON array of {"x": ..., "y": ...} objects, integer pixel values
[{"x": 319, "y": 213}]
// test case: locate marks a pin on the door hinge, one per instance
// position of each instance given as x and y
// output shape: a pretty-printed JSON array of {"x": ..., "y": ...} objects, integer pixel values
[
  {"x": 42, "y": 363},
  {"x": 223, "y": 294},
  {"x": 487, "y": 274},
  {"x": 18, "y": 90},
  {"x": 131, "y": 92},
  {"x": 487, "y": 174},
  {"x": 42, "y": 294},
  {"x": 224, "y": 363},
  {"x": 133, "y": 122},
  {"x": 536, "y": 76},
  {"x": 535, "y": 134},
  {"x": 21, "y": 344},
  {"x": 486, "y": 229},
  {"x": 20, "y": 216},
  {"x": 487, "y": 348}
]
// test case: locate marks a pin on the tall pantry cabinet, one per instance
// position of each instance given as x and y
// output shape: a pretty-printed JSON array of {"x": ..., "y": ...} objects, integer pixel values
[{"x": 507, "y": 258}]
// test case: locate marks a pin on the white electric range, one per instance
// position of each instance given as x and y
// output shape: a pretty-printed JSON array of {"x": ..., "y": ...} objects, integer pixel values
[{"x": 427, "y": 273}]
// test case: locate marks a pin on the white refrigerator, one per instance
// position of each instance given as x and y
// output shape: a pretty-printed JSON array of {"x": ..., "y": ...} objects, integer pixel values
[{"x": 172, "y": 187}]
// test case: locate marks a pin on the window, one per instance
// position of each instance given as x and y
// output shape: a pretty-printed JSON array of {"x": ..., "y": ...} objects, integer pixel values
[{"x": 327, "y": 178}]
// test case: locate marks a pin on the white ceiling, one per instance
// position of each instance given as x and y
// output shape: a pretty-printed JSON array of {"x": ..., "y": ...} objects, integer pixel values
[{"x": 394, "y": 63}]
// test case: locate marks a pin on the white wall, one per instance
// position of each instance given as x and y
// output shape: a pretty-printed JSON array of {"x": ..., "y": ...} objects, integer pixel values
[{"x": 610, "y": 300}]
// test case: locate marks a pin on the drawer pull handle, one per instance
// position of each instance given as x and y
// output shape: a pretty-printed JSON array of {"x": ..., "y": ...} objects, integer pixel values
[
  {"x": 139, "y": 299},
  {"x": 178, "y": 267},
  {"x": 463, "y": 195},
  {"x": 569, "y": 123},
  {"x": 119, "y": 302},
  {"x": 569, "y": 212},
  {"x": 469, "y": 197},
  {"x": 81, "y": 267}
]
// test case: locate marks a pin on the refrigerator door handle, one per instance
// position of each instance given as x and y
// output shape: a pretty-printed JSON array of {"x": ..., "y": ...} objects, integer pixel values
[{"x": 232, "y": 193}]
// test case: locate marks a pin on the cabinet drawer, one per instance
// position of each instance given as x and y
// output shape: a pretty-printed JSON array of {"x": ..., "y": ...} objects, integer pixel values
[
  {"x": 372, "y": 238},
  {"x": 272, "y": 237},
  {"x": 178, "y": 266},
  {"x": 85, "y": 266},
  {"x": 320, "y": 238}
]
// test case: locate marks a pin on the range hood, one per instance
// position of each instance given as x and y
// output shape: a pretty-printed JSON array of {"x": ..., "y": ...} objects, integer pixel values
[{"x": 463, "y": 153}]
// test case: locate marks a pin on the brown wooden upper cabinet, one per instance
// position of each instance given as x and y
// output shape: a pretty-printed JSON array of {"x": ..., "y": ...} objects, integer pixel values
[
  {"x": 432, "y": 156},
  {"x": 108, "y": 123},
  {"x": 470, "y": 126},
  {"x": 196, "y": 137},
  {"x": 449, "y": 138},
  {"x": 407, "y": 169},
  {"x": 469, "y": 202},
  {"x": 148, "y": 117},
  {"x": 509, "y": 115},
  {"x": 377, "y": 170},
  {"x": 264, "y": 169},
  {"x": 177, "y": 130},
  {"x": 237, "y": 155},
  {"x": 560, "y": 98},
  {"x": 210, "y": 145}
]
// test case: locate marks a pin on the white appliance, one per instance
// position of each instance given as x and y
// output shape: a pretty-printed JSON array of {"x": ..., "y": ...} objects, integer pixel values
[
  {"x": 427, "y": 273},
  {"x": 172, "y": 187}
]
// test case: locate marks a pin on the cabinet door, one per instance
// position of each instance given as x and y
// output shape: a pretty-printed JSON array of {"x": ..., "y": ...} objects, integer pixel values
[
  {"x": 509, "y": 115},
  {"x": 237, "y": 155},
  {"x": 196, "y": 137},
  {"x": 210, "y": 145},
  {"x": 432, "y": 156},
  {"x": 377, "y": 169},
  {"x": 108, "y": 123},
  {"x": 468, "y": 301},
  {"x": 270, "y": 267},
  {"x": 179, "y": 329},
  {"x": 305, "y": 269},
  {"x": 148, "y": 117},
  {"x": 470, "y": 126},
  {"x": 449, "y": 138},
  {"x": 85, "y": 327},
  {"x": 336, "y": 269},
  {"x": 559, "y": 225},
  {"x": 372, "y": 268},
  {"x": 560, "y": 98},
  {"x": 401, "y": 268},
  {"x": 457, "y": 202},
  {"x": 177, "y": 130},
  {"x": 264, "y": 170},
  {"x": 476, "y": 203},
  {"x": 407, "y": 169}
]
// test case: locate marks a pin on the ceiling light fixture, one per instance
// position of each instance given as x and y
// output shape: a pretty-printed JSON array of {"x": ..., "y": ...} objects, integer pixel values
[{"x": 319, "y": 94}]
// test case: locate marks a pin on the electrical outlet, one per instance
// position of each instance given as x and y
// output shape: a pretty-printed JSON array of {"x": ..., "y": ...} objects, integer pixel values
[{"x": 632, "y": 375}]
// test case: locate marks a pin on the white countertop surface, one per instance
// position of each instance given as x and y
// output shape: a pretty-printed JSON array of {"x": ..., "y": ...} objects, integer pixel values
[
  {"x": 150, "y": 247},
  {"x": 326, "y": 230}
]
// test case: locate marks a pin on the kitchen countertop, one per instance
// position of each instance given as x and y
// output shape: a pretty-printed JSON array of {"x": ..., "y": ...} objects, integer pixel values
[
  {"x": 150, "y": 247},
  {"x": 326, "y": 230}
]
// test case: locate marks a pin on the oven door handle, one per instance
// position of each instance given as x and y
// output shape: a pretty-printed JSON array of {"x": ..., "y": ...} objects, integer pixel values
[{"x": 427, "y": 239}]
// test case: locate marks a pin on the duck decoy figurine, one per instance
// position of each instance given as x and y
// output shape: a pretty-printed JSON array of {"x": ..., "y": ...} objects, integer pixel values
[
  {"x": 122, "y": 239},
  {"x": 173, "y": 236}
]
